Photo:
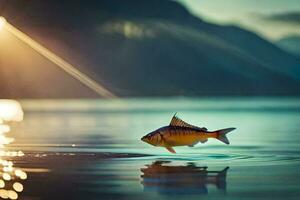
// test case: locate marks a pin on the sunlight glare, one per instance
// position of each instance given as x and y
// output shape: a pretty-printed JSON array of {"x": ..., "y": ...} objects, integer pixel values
[
  {"x": 18, "y": 187},
  {"x": 4, "y": 128},
  {"x": 6, "y": 176},
  {"x": 64, "y": 65},
  {"x": 2, "y": 22},
  {"x": 12, "y": 194},
  {"x": 2, "y": 183},
  {"x": 3, "y": 194},
  {"x": 10, "y": 110}
]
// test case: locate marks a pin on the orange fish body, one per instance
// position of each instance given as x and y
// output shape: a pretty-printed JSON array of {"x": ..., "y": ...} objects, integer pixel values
[{"x": 180, "y": 133}]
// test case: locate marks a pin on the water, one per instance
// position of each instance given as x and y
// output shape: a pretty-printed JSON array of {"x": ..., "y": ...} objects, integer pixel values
[{"x": 91, "y": 149}]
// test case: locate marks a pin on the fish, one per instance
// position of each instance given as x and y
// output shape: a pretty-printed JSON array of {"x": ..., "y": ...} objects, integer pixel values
[{"x": 180, "y": 133}]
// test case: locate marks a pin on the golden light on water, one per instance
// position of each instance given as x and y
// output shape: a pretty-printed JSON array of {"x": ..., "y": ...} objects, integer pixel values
[
  {"x": 2, "y": 183},
  {"x": 3, "y": 194},
  {"x": 21, "y": 174},
  {"x": 6, "y": 176},
  {"x": 18, "y": 187},
  {"x": 10, "y": 110},
  {"x": 8, "y": 169},
  {"x": 58, "y": 61},
  {"x": 4, "y": 128},
  {"x": 12, "y": 194}
]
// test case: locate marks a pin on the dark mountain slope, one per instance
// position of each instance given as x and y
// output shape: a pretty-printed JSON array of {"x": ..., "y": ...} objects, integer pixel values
[
  {"x": 142, "y": 48},
  {"x": 290, "y": 43}
]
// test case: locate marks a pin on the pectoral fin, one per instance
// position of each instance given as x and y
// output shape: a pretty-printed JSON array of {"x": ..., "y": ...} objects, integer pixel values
[
  {"x": 170, "y": 149},
  {"x": 202, "y": 141},
  {"x": 191, "y": 145}
]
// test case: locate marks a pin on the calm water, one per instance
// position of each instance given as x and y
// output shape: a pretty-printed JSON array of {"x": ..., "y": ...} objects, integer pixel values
[{"x": 91, "y": 149}]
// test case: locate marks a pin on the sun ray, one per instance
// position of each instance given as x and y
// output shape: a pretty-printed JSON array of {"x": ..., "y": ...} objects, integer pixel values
[{"x": 64, "y": 65}]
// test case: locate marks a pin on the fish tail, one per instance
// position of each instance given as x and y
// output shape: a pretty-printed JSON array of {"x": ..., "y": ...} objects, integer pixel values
[
  {"x": 221, "y": 178},
  {"x": 221, "y": 134}
]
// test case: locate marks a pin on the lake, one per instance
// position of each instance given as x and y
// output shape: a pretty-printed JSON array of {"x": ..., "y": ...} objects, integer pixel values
[{"x": 91, "y": 149}]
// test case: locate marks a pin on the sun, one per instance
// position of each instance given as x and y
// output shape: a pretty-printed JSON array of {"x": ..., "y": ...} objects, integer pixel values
[{"x": 2, "y": 22}]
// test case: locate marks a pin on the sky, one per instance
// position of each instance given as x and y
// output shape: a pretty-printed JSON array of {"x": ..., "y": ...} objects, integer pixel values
[{"x": 272, "y": 19}]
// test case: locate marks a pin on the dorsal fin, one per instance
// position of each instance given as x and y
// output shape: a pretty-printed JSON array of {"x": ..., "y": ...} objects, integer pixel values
[
  {"x": 176, "y": 121},
  {"x": 179, "y": 122}
]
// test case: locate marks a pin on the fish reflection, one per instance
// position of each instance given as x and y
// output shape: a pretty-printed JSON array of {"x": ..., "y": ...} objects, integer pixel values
[
  {"x": 10, "y": 176},
  {"x": 163, "y": 177}
]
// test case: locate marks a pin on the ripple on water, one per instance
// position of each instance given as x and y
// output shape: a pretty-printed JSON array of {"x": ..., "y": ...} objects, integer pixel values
[
  {"x": 228, "y": 159},
  {"x": 234, "y": 156}
]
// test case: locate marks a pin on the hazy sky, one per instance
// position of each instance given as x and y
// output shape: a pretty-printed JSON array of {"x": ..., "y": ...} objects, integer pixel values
[{"x": 272, "y": 19}]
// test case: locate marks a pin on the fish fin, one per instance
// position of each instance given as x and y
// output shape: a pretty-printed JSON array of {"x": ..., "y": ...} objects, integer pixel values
[
  {"x": 203, "y": 141},
  {"x": 191, "y": 145},
  {"x": 170, "y": 149},
  {"x": 221, "y": 134},
  {"x": 221, "y": 178},
  {"x": 176, "y": 121}
]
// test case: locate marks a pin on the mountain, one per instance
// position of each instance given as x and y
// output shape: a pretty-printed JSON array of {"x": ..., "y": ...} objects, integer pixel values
[
  {"x": 150, "y": 48},
  {"x": 290, "y": 43}
]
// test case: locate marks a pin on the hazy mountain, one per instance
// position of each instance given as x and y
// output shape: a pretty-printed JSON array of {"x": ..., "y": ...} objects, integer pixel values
[
  {"x": 290, "y": 43},
  {"x": 144, "y": 48}
]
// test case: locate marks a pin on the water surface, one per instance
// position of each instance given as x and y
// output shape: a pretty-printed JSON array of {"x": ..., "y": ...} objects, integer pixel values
[{"x": 91, "y": 149}]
